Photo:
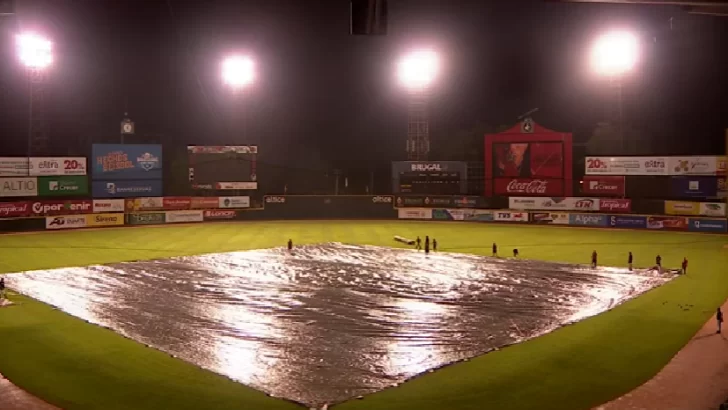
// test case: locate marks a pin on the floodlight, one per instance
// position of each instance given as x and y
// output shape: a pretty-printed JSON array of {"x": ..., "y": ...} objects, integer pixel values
[
  {"x": 238, "y": 71},
  {"x": 615, "y": 53},
  {"x": 418, "y": 69},
  {"x": 34, "y": 51}
]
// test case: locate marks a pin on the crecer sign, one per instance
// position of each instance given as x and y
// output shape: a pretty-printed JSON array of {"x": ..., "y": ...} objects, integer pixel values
[
  {"x": 603, "y": 185},
  {"x": 588, "y": 219}
]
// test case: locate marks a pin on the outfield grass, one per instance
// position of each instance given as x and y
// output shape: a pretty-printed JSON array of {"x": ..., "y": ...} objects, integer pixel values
[{"x": 80, "y": 366}]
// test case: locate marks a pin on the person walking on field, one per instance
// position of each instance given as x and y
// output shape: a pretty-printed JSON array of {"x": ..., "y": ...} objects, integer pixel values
[
  {"x": 427, "y": 244},
  {"x": 419, "y": 244},
  {"x": 495, "y": 250},
  {"x": 719, "y": 319},
  {"x": 290, "y": 244},
  {"x": 658, "y": 263},
  {"x": 685, "y": 266},
  {"x": 434, "y": 245},
  {"x": 594, "y": 260},
  {"x": 629, "y": 261},
  {"x": 2, "y": 288}
]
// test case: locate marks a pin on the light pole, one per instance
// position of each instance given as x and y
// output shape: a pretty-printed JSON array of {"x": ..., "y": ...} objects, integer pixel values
[
  {"x": 614, "y": 55},
  {"x": 36, "y": 54},
  {"x": 238, "y": 73},
  {"x": 416, "y": 72}
]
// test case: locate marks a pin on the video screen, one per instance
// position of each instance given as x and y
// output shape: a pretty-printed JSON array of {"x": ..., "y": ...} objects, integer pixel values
[
  {"x": 528, "y": 160},
  {"x": 223, "y": 167}
]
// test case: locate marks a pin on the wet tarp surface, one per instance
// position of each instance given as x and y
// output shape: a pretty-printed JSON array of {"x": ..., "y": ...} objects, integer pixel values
[{"x": 326, "y": 323}]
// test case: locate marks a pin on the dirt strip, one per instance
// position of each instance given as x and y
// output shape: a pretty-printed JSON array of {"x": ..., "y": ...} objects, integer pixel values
[
  {"x": 695, "y": 379},
  {"x": 14, "y": 398}
]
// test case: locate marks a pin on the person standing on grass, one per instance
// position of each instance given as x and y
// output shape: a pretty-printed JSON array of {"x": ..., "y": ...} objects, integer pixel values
[
  {"x": 594, "y": 260},
  {"x": 2, "y": 288},
  {"x": 515, "y": 253},
  {"x": 719, "y": 319},
  {"x": 629, "y": 261},
  {"x": 419, "y": 244},
  {"x": 427, "y": 244},
  {"x": 658, "y": 263},
  {"x": 290, "y": 244},
  {"x": 495, "y": 250},
  {"x": 434, "y": 245},
  {"x": 685, "y": 266}
]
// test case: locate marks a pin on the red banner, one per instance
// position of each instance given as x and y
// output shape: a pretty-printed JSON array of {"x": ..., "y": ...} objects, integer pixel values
[
  {"x": 62, "y": 207},
  {"x": 202, "y": 202},
  {"x": 14, "y": 209},
  {"x": 667, "y": 222},
  {"x": 603, "y": 185},
  {"x": 176, "y": 202},
  {"x": 615, "y": 205},
  {"x": 220, "y": 214},
  {"x": 529, "y": 187}
]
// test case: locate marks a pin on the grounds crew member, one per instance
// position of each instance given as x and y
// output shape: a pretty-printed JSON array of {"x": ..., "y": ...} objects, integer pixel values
[
  {"x": 719, "y": 319},
  {"x": 658, "y": 263},
  {"x": 434, "y": 245},
  {"x": 419, "y": 244},
  {"x": 629, "y": 261},
  {"x": 495, "y": 250},
  {"x": 515, "y": 253},
  {"x": 290, "y": 244},
  {"x": 685, "y": 266},
  {"x": 2, "y": 288},
  {"x": 427, "y": 244},
  {"x": 594, "y": 259}
]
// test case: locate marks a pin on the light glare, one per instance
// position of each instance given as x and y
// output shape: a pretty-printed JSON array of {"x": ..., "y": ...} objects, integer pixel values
[
  {"x": 615, "y": 53},
  {"x": 34, "y": 51},
  {"x": 238, "y": 71},
  {"x": 418, "y": 69}
]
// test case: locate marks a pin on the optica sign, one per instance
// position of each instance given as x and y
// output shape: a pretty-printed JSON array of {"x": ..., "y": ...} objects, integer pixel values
[
  {"x": 61, "y": 207},
  {"x": 708, "y": 225}
]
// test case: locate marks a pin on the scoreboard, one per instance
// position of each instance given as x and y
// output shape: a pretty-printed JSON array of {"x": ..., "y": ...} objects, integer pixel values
[
  {"x": 225, "y": 167},
  {"x": 429, "y": 178}
]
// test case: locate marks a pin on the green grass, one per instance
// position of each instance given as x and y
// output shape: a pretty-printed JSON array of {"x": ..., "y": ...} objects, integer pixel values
[{"x": 80, "y": 366}]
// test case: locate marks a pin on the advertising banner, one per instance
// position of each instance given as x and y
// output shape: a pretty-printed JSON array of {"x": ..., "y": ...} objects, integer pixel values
[
  {"x": 462, "y": 215},
  {"x": 184, "y": 216},
  {"x": 628, "y": 221},
  {"x": 234, "y": 202},
  {"x": 530, "y": 187},
  {"x": 151, "y": 218},
  {"x": 27, "y": 186},
  {"x": 144, "y": 204},
  {"x": 176, "y": 202},
  {"x": 626, "y": 166},
  {"x": 667, "y": 222},
  {"x": 708, "y": 165},
  {"x": 104, "y": 219},
  {"x": 43, "y": 166},
  {"x": 615, "y": 205},
  {"x": 217, "y": 214},
  {"x": 204, "y": 202},
  {"x": 13, "y": 167},
  {"x": 108, "y": 205},
  {"x": 708, "y": 225},
  {"x": 63, "y": 185},
  {"x": 230, "y": 185},
  {"x": 66, "y": 222},
  {"x": 555, "y": 218},
  {"x": 126, "y": 189},
  {"x": 722, "y": 188},
  {"x": 682, "y": 208},
  {"x": 273, "y": 199},
  {"x": 112, "y": 162},
  {"x": 588, "y": 220},
  {"x": 414, "y": 213},
  {"x": 441, "y": 201},
  {"x": 712, "y": 209},
  {"x": 603, "y": 185},
  {"x": 61, "y": 207},
  {"x": 505, "y": 216},
  {"x": 701, "y": 187},
  {"x": 564, "y": 204},
  {"x": 14, "y": 209}
]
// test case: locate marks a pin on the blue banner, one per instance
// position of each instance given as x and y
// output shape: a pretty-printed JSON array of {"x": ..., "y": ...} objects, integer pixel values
[
  {"x": 463, "y": 215},
  {"x": 113, "y": 162},
  {"x": 695, "y": 187},
  {"x": 588, "y": 219},
  {"x": 708, "y": 225},
  {"x": 126, "y": 189},
  {"x": 628, "y": 221}
]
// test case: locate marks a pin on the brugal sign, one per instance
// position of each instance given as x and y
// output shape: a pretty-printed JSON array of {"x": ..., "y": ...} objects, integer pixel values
[{"x": 432, "y": 168}]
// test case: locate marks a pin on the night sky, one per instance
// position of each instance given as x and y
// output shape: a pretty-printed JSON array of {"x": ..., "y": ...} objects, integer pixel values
[{"x": 327, "y": 99}]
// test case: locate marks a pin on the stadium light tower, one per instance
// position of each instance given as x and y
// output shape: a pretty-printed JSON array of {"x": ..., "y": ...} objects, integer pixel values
[
  {"x": 238, "y": 73},
  {"x": 36, "y": 54},
  {"x": 416, "y": 72},
  {"x": 614, "y": 55}
]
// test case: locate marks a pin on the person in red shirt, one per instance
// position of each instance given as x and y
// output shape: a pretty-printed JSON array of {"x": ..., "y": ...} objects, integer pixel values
[{"x": 685, "y": 266}]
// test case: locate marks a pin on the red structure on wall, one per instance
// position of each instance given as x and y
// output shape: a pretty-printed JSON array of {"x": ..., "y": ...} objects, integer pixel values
[{"x": 528, "y": 160}]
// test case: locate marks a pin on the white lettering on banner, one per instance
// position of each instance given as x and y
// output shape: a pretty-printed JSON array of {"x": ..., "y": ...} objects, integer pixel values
[
  {"x": 184, "y": 216},
  {"x": 427, "y": 167},
  {"x": 275, "y": 199},
  {"x": 108, "y": 205},
  {"x": 712, "y": 209},
  {"x": 19, "y": 186},
  {"x": 626, "y": 166},
  {"x": 13, "y": 167},
  {"x": 588, "y": 219},
  {"x": 41, "y": 208},
  {"x": 511, "y": 216},
  {"x": 237, "y": 185},
  {"x": 537, "y": 186},
  {"x": 234, "y": 202},
  {"x": 65, "y": 222},
  {"x": 414, "y": 213},
  {"x": 220, "y": 214},
  {"x": 602, "y": 186},
  {"x": 566, "y": 204},
  {"x": 382, "y": 199},
  {"x": 57, "y": 166}
]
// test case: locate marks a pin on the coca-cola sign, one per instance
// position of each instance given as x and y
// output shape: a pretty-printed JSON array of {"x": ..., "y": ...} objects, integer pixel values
[
  {"x": 530, "y": 187},
  {"x": 603, "y": 185},
  {"x": 615, "y": 205},
  {"x": 14, "y": 209}
]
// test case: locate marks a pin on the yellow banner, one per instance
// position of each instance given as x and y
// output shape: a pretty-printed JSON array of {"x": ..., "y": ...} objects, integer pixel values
[
  {"x": 104, "y": 219},
  {"x": 682, "y": 208}
]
